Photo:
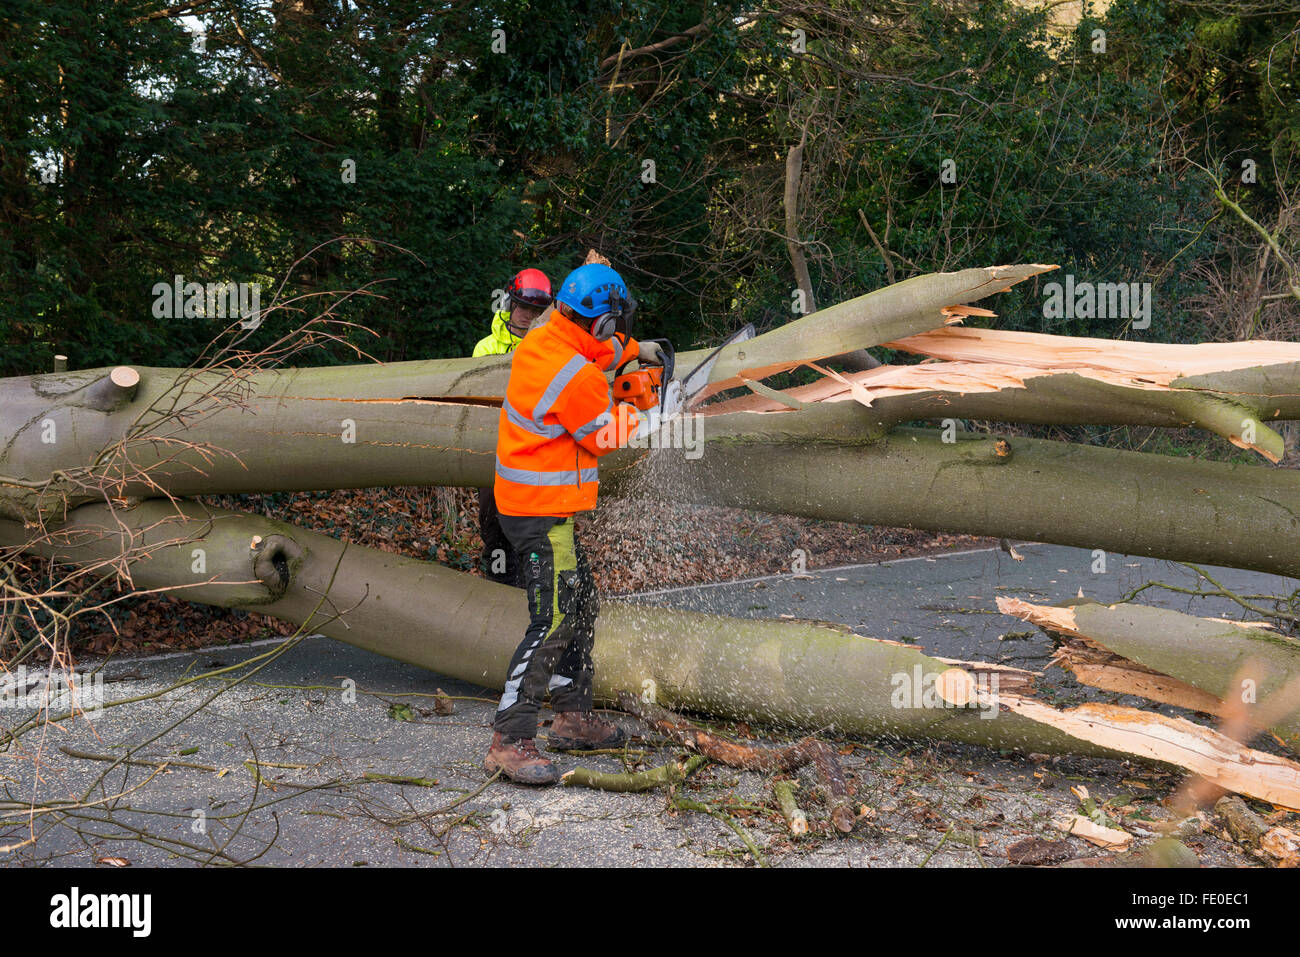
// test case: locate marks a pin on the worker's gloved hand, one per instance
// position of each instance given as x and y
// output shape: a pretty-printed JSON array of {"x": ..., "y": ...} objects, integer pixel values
[
  {"x": 652, "y": 420},
  {"x": 651, "y": 354}
]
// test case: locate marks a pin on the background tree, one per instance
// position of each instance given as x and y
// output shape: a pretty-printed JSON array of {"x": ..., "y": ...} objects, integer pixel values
[{"x": 425, "y": 154}]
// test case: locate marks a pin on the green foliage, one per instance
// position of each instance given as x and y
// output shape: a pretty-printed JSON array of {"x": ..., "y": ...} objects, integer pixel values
[
  {"x": 231, "y": 162},
  {"x": 1237, "y": 77}
]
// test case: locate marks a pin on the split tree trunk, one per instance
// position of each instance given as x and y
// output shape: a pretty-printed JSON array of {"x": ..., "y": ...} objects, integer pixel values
[{"x": 1211, "y": 658}]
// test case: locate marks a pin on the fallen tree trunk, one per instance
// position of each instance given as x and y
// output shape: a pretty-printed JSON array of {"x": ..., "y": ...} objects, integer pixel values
[
  {"x": 792, "y": 674},
  {"x": 126, "y": 435},
  {"x": 1036, "y": 490},
  {"x": 819, "y": 461},
  {"x": 148, "y": 431},
  {"x": 795, "y": 674},
  {"x": 1206, "y": 656}
]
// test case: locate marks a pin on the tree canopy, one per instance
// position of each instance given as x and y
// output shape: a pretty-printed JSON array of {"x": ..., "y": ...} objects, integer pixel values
[{"x": 417, "y": 154}]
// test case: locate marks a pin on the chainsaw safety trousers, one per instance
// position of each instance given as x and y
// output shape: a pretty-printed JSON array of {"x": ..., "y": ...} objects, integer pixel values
[
  {"x": 557, "y": 419},
  {"x": 555, "y": 654}
]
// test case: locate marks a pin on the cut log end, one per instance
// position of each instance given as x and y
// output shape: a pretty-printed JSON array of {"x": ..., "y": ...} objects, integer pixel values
[
  {"x": 114, "y": 390},
  {"x": 124, "y": 377},
  {"x": 956, "y": 687}
]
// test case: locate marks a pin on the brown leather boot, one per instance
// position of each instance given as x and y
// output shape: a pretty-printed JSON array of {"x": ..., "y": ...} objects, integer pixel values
[
  {"x": 583, "y": 731},
  {"x": 520, "y": 761}
]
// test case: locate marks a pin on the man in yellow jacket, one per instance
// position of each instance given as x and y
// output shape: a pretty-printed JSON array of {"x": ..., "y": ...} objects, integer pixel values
[
  {"x": 557, "y": 419},
  {"x": 528, "y": 295}
]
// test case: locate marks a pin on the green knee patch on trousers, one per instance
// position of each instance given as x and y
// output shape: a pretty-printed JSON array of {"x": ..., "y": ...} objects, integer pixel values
[{"x": 564, "y": 562}]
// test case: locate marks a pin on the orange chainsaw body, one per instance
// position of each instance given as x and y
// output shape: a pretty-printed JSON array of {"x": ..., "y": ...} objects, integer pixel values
[{"x": 641, "y": 389}]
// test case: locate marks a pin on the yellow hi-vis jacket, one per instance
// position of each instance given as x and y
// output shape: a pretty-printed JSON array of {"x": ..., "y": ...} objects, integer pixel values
[{"x": 500, "y": 340}]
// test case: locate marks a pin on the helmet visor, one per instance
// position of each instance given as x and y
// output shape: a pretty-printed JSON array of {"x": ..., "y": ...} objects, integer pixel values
[{"x": 537, "y": 298}]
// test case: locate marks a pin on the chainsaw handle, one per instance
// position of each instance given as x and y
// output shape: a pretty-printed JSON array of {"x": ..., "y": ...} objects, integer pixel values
[{"x": 669, "y": 357}]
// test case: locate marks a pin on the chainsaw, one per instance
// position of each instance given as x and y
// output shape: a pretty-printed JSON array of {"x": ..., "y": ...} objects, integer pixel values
[{"x": 654, "y": 387}]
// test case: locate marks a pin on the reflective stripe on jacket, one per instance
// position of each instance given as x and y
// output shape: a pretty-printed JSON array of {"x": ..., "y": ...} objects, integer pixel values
[
  {"x": 556, "y": 405},
  {"x": 500, "y": 340}
]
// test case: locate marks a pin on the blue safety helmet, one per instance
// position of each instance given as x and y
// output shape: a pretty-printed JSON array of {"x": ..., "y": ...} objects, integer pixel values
[{"x": 597, "y": 292}]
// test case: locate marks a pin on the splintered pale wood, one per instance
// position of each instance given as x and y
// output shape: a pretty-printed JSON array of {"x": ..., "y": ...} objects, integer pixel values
[
  {"x": 1229, "y": 389},
  {"x": 1215, "y": 757},
  {"x": 1014, "y": 680},
  {"x": 871, "y": 385},
  {"x": 1201, "y": 657},
  {"x": 987, "y": 360},
  {"x": 1055, "y": 617},
  {"x": 1098, "y": 668},
  {"x": 1155, "y": 362}
]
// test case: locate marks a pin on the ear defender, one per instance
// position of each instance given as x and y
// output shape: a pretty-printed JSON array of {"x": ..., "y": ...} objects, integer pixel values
[{"x": 597, "y": 293}]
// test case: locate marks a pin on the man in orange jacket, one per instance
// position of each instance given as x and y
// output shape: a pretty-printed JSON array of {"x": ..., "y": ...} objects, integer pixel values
[{"x": 557, "y": 419}]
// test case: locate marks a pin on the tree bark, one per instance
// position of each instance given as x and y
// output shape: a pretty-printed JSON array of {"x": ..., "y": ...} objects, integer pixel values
[
  {"x": 1135, "y": 503},
  {"x": 793, "y": 674}
]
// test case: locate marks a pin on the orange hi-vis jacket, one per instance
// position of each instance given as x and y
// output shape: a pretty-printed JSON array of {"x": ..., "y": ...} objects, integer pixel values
[{"x": 558, "y": 418}]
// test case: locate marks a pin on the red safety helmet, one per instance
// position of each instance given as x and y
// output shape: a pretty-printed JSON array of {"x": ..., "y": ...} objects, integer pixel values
[{"x": 530, "y": 287}]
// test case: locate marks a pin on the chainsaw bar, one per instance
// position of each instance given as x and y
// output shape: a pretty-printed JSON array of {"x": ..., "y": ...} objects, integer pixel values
[{"x": 694, "y": 381}]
